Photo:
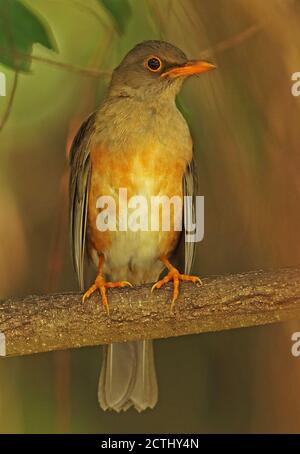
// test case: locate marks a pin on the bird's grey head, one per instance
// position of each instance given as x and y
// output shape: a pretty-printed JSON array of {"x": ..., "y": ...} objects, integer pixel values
[{"x": 154, "y": 68}]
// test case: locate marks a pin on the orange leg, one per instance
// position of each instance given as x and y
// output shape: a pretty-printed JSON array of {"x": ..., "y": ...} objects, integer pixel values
[
  {"x": 175, "y": 276},
  {"x": 101, "y": 284}
]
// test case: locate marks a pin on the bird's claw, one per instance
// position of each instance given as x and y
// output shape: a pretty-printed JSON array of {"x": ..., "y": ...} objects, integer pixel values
[
  {"x": 176, "y": 277},
  {"x": 101, "y": 284}
]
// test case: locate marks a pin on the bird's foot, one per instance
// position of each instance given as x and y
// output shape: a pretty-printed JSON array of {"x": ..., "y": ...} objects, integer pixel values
[
  {"x": 101, "y": 284},
  {"x": 175, "y": 276}
]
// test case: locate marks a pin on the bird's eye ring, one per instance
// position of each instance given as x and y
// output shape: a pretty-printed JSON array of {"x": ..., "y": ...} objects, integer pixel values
[{"x": 154, "y": 64}]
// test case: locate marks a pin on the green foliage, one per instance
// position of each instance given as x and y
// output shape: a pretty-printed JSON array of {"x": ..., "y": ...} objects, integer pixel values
[
  {"x": 120, "y": 11},
  {"x": 20, "y": 28}
]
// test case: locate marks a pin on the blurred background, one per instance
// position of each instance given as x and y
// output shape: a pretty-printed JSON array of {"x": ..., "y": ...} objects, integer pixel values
[{"x": 246, "y": 127}]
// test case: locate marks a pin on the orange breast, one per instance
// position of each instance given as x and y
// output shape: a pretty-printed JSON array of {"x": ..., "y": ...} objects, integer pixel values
[{"x": 148, "y": 173}]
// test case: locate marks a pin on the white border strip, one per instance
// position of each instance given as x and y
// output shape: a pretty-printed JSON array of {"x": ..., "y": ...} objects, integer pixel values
[
  {"x": 2, "y": 344},
  {"x": 2, "y": 84}
]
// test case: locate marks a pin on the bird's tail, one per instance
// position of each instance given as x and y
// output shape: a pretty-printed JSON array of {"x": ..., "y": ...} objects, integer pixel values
[{"x": 128, "y": 377}]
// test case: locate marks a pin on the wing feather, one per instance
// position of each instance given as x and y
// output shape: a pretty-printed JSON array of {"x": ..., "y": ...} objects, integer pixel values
[
  {"x": 190, "y": 189},
  {"x": 80, "y": 171}
]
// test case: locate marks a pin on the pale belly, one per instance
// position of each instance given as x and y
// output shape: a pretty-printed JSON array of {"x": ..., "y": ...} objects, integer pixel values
[{"x": 134, "y": 257}]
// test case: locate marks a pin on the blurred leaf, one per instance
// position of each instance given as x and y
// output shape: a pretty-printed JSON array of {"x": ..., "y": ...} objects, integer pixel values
[
  {"x": 120, "y": 10},
  {"x": 20, "y": 28}
]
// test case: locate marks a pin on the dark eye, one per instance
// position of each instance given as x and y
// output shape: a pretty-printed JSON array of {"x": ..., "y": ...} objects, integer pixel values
[{"x": 154, "y": 64}]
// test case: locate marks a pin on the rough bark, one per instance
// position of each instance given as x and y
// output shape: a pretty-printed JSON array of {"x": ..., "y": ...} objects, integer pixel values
[{"x": 60, "y": 321}]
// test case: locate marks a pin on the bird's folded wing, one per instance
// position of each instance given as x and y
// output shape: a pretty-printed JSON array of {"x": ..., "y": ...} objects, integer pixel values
[
  {"x": 189, "y": 189},
  {"x": 80, "y": 169}
]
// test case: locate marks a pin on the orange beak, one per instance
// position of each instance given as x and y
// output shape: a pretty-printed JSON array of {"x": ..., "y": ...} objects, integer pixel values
[{"x": 190, "y": 68}]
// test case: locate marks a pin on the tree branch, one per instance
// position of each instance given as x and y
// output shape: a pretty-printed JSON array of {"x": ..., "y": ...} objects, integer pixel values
[
  {"x": 90, "y": 72},
  {"x": 60, "y": 321},
  {"x": 232, "y": 41}
]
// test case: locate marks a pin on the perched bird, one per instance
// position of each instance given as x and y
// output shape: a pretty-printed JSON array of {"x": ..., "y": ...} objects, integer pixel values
[{"x": 137, "y": 140}]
